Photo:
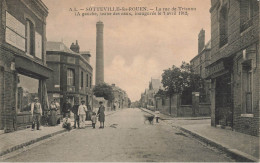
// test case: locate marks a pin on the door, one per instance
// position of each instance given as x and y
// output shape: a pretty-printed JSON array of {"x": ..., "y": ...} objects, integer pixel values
[{"x": 224, "y": 110}]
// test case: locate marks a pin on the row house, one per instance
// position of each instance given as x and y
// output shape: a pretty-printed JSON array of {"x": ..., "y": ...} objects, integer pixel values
[
  {"x": 23, "y": 69},
  {"x": 72, "y": 76},
  {"x": 235, "y": 65},
  {"x": 199, "y": 64},
  {"x": 148, "y": 97},
  {"x": 121, "y": 97}
]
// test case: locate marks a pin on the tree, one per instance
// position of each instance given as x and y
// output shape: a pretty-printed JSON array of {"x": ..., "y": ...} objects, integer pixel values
[
  {"x": 160, "y": 93},
  {"x": 104, "y": 90},
  {"x": 177, "y": 80},
  {"x": 129, "y": 102}
]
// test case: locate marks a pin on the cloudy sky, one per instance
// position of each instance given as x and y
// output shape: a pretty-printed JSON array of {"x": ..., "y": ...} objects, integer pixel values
[{"x": 136, "y": 48}]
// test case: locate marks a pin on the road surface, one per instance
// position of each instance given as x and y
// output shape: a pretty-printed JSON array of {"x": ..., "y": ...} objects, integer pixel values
[{"x": 125, "y": 138}]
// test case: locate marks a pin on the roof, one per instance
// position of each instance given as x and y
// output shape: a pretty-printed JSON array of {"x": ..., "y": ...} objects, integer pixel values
[
  {"x": 85, "y": 52},
  {"x": 58, "y": 47},
  {"x": 208, "y": 45},
  {"x": 156, "y": 83}
]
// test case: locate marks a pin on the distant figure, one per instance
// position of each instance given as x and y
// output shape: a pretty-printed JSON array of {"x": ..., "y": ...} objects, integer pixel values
[
  {"x": 53, "y": 114},
  {"x": 94, "y": 119},
  {"x": 75, "y": 109},
  {"x": 157, "y": 116},
  {"x": 36, "y": 111},
  {"x": 58, "y": 111},
  {"x": 82, "y": 114},
  {"x": 57, "y": 105},
  {"x": 101, "y": 114},
  {"x": 66, "y": 108},
  {"x": 67, "y": 123}
]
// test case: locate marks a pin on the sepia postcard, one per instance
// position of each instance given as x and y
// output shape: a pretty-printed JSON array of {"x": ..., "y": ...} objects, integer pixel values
[{"x": 129, "y": 80}]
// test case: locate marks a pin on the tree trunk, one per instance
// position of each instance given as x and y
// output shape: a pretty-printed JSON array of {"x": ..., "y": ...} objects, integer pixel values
[{"x": 170, "y": 104}]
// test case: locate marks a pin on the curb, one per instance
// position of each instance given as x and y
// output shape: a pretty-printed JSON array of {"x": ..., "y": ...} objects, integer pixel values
[
  {"x": 234, "y": 153},
  {"x": 17, "y": 147},
  {"x": 30, "y": 142}
]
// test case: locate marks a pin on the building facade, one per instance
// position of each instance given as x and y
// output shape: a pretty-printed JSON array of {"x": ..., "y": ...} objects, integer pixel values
[
  {"x": 121, "y": 97},
  {"x": 148, "y": 97},
  {"x": 199, "y": 64},
  {"x": 235, "y": 66},
  {"x": 72, "y": 76},
  {"x": 23, "y": 69}
]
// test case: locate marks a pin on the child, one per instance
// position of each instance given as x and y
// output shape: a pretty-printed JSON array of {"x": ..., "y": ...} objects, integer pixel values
[
  {"x": 94, "y": 119},
  {"x": 157, "y": 116},
  {"x": 67, "y": 123}
]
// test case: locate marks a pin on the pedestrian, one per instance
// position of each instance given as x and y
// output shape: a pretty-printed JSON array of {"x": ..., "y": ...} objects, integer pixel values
[
  {"x": 101, "y": 114},
  {"x": 94, "y": 119},
  {"x": 36, "y": 111},
  {"x": 67, "y": 122},
  {"x": 53, "y": 114},
  {"x": 157, "y": 116},
  {"x": 66, "y": 108},
  {"x": 58, "y": 111},
  {"x": 75, "y": 109},
  {"x": 82, "y": 114}
]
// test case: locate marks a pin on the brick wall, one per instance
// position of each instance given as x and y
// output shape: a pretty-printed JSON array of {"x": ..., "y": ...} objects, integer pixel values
[
  {"x": 7, "y": 90},
  {"x": 237, "y": 41}
]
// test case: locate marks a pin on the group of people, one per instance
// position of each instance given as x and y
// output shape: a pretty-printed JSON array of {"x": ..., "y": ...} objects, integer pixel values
[
  {"x": 80, "y": 115},
  {"x": 78, "y": 110}
]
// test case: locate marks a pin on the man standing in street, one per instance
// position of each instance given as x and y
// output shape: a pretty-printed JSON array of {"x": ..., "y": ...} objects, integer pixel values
[
  {"x": 36, "y": 111},
  {"x": 82, "y": 114},
  {"x": 75, "y": 109},
  {"x": 66, "y": 108}
]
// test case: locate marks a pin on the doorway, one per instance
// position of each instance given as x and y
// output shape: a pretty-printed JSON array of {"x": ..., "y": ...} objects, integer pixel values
[{"x": 224, "y": 106}]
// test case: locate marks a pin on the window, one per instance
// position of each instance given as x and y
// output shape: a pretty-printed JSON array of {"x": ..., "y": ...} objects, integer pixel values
[
  {"x": 27, "y": 90},
  {"x": 82, "y": 79},
  {"x": 70, "y": 77},
  {"x": 87, "y": 80},
  {"x": 90, "y": 81},
  {"x": 246, "y": 14},
  {"x": 30, "y": 38},
  {"x": 223, "y": 26},
  {"x": 247, "y": 87}
]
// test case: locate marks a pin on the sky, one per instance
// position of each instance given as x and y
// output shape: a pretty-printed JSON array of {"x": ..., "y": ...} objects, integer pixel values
[{"x": 136, "y": 48}]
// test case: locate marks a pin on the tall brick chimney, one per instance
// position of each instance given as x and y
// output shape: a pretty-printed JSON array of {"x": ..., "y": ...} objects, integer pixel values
[
  {"x": 201, "y": 40},
  {"x": 99, "y": 53}
]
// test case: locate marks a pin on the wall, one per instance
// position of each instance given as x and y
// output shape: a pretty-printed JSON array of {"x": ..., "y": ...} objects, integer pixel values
[{"x": 237, "y": 41}]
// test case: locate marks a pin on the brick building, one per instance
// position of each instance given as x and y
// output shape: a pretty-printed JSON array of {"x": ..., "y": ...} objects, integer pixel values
[
  {"x": 199, "y": 64},
  {"x": 23, "y": 70},
  {"x": 72, "y": 75},
  {"x": 235, "y": 65}
]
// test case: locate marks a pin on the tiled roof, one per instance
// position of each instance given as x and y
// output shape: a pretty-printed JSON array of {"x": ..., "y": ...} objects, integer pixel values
[
  {"x": 58, "y": 47},
  {"x": 156, "y": 83}
]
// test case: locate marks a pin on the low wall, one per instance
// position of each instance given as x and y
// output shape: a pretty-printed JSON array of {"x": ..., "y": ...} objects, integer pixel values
[
  {"x": 23, "y": 120},
  {"x": 185, "y": 111},
  {"x": 204, "y": 109}
]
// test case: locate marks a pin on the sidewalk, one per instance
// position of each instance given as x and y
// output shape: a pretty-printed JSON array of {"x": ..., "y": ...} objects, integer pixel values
[
  {"x": 241, "y": 146},
  {"x": 10, "y": 142}
]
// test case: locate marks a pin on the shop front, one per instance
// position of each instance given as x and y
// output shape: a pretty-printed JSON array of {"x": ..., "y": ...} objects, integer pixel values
[
  {"x": 220, "y": 73},
  {"x": 31, "y": 82}
]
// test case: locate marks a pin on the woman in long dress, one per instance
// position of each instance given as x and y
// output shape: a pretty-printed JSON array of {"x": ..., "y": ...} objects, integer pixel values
[
  {"x": 101, "y": 114},
  {"x": 53, "y": 113}
]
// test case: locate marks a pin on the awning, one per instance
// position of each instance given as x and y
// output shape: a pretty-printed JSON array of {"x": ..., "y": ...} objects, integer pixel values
[
  {"x": 31, "y": 68},
  {"x": 221, "y": 66}
]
